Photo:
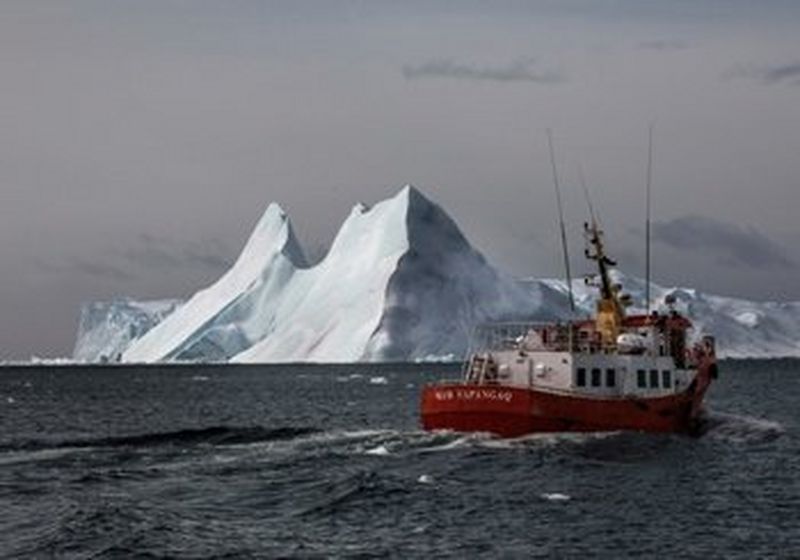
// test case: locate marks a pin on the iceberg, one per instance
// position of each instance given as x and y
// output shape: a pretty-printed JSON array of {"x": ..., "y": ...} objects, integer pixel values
[{"x": 400, "y": 282}]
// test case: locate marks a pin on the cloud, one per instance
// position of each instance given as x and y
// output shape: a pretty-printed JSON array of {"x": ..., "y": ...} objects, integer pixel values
[
  {"x": 783, "y": 73},
  {"x": 788, "y": 73},
  {"x": 160, "y": 252},
  {"x": 663, "y": 45},
  {"x": 734, "y": 245},
  {"x": 84, "y": 267},
  {"x": 149, "y": 253},
  {"x": 521, "y": 70},
  {"x": 101, "y": 270}
]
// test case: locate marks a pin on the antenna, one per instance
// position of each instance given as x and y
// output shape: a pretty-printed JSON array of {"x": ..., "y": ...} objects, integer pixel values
[
  {"x": 592, "y": 215},
  {"x": 647, "y": 218},
  {"x": 561, "y": 220}
]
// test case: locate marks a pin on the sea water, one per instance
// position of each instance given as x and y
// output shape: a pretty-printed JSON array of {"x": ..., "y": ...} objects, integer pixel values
[{"x": 329, "y": 461}]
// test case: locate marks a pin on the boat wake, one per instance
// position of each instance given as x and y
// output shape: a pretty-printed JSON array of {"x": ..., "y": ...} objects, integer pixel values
[
  {"x": 292, "y": 442},
  {"x": 739, "y": 428},
  {"x": 388, "y": 443}
]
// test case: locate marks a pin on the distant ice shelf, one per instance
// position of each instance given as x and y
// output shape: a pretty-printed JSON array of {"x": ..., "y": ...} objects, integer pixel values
[
  {"x": 107, "y": 328},
  {"x": 743, "y": 328}
]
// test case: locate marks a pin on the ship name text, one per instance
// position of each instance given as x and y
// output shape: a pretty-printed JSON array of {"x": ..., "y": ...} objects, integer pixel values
[{"x": 473, "y": 395}]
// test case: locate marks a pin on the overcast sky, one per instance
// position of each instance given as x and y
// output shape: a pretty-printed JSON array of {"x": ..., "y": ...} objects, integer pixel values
[{"x": 140, "y": 141}]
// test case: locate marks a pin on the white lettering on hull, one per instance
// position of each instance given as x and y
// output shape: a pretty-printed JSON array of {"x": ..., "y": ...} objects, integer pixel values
[{"x": 473, "y": 395}]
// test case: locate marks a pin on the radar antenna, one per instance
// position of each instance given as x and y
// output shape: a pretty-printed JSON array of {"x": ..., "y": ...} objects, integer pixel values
[{"x": 592, "y": 215}]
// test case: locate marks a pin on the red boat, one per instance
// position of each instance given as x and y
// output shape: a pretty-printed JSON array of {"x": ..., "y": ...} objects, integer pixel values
[{"x": 606, "y": 373}]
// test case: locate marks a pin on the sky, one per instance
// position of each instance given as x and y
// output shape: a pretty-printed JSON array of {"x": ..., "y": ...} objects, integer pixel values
[{"x": 141, "y": 141}]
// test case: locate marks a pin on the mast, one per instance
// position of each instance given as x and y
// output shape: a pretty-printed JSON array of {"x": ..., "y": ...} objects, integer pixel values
[
  {"x": 561, "y": 221},
  {"x": 647, "y": 216},
  {"x": 610, "y": 309},
  {"x": 595, "y": 237}
]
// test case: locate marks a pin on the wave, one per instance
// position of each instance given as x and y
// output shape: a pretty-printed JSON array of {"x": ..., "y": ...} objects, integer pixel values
[
  {"x": 213, "y": 435},
  {"x": 351, "y": 491}
]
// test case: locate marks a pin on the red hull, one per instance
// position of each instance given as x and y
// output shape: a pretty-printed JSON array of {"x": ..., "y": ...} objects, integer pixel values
[{"x": 514, "y": 411}]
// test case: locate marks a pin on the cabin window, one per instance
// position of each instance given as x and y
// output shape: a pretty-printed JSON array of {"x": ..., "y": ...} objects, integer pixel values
[
  {"x": 666, "y": 379},
  {"x": 611, "y": 377},
  {"x": 641, "y": 378},
  {"x": 654, "y": 379},
  {"x": 580, "y": 378},
  {"x": 596, "y": 377}
]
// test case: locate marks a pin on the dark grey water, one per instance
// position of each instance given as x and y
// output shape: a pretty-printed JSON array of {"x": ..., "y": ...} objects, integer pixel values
[{"x": 321, "y": 461}]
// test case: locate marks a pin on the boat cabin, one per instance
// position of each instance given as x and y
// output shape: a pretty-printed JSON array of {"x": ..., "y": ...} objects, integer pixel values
[{"x": 650, "y": 356}]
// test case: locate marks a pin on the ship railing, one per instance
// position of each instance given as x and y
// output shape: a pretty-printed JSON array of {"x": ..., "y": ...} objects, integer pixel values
[
  {"x": 532, "y": 337},
  {"x": 554, "y": 337}
]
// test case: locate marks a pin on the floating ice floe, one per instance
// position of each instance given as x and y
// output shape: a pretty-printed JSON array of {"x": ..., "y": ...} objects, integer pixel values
[
  {"x": 556, "y": 497},
  {"x": 380, "y": 451}
]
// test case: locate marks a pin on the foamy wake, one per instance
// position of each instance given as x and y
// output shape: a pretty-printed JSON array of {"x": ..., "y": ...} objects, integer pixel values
[
  {"x": 740, "y": 428},
  {"x": 394, "y": 442},
  {"x": 391, "y": 443}
]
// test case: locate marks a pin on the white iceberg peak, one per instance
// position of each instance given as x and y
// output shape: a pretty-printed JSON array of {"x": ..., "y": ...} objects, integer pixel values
[
  {"x": 231, "y": 314},
  {"x": 273, "y": 233}
]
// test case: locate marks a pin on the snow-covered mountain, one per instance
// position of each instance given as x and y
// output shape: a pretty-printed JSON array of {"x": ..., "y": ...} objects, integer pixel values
[
  {"x": 106, "y": 329},
  {"x": 400, "y": 282}
]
